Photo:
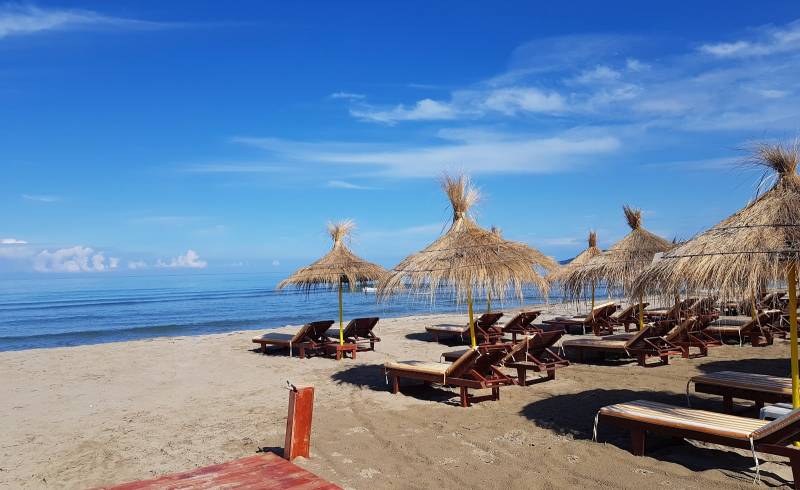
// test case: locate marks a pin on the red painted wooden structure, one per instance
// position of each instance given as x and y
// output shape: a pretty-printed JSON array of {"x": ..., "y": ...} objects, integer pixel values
[
  {"x": 298, "y": 423},
  {"x": 266, "y": 470}
]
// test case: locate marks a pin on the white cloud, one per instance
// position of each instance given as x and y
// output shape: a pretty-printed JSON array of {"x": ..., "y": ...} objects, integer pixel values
[
  {"x": 341, "y": 184},
  {"x": 768, "y": 40},
  {"x": 515, "y": 153},
  {"x": 40, "y": 198},
  {"x": 347, "y": 96},
  {"x": 137, "y": 264},
  {"x": 12, "y": 241},
  {"x": 423, "y": 110},
  {"x": 600, "y": 73},
  {"x": 276, "y": 263},
  {"x": 513, "y": 100},
  {"x": 772, "y": 93},
  {"x": 21, "y": 19},
  {"x": 73, "y": 259},
  {"x": 189, "y": 260}
]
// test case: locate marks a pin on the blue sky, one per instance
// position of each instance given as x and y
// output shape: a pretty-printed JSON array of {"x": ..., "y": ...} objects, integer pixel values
[{"x": 201, "y": 135}]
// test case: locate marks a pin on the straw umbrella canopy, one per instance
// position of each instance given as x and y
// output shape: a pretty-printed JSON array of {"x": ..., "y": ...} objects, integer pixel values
[
  {"x": 578, "y": 262},
  {"x": 468, "y": 258},
  {"x": 758, "y": 245},
  {"x": 338, "y": 267},
  {"x": 620, "y": 264}
]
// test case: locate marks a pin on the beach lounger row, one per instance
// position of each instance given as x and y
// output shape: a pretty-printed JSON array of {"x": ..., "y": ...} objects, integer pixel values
[
  {"x": 318, "y": 338},
  {"x": 480, "y": 368}
]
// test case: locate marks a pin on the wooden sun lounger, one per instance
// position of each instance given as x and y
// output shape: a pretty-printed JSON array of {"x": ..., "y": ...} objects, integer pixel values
[
  {"x": 473, "y": 370},
  {"x": 598, "y": 320},
  {"x": 671, "y": 312},
  {"x": 760, "y": 388},
  {"x": 532, "y": 352},
  {"x": 642, "y": 345},
  {"x": 483, "y": 329},
  {"x": 770, "y": 437},
  {"x": 689, "y": 334},
  {"x": 310, "y": 336},
  {"x": 359, "y": 331},
  {"x": 520, "y": 324},
  {"x": 627, "y": 317},
  {"x": 756, "y": 330},
  {"x": 536, "y": 355}
]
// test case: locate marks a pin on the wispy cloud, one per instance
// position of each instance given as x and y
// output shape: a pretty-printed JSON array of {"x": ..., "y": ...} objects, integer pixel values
[
  {"x": 137, "y": 264},
  {"x": 341, "y": 184},
  {"x": 25, "y": 19},
  {"x": 347, "y": 96},
  {"x": 12, "y": 241},
  {"x": 741, "y": 85},
  {"x": 767, "y": 40},
  {"x": 40, "y": 198},
  {"x": 189, "y": 260},
  {"x": 512, "y": 153}
]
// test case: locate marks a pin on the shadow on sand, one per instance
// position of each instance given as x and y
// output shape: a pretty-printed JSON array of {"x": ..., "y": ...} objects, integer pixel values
[
  {"x": 370, "y": 376},
  {"x": 574, "y": 414},
  {"x": 773, "y": 367}
]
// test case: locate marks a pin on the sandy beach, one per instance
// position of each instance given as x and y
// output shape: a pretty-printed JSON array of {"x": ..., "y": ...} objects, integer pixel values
[{"x": 94, "y": 415}]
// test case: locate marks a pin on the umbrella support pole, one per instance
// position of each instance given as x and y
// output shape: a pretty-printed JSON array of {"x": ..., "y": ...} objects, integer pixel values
[
  {"x": 341, "y": 316},
  {"x": 471, "y": 320},
  {"x": 641, "y": 312},
  {"x": 488, "y": 302},
  {"x": 592, "y": 296},
  {"x": 792, "y": 280}
]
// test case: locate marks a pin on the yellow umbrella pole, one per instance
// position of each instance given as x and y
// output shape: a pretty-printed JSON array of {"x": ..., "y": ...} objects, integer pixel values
[
  {"x": 341, "y": 315},
  {"x": 793, "y": 333},
  {"x": 641, "y": 312},
  {"x": 471, "y": 322}
]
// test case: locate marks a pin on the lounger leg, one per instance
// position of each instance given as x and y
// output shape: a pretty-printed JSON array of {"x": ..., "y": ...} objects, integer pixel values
[
  {"x": 665, "y": 359},
  {"x": 353, "y": 354},
  {"x": 727, "y": 403},
  {"x": 704, "y": 350},
  {"x": 395, "y": 384},
  {"x": 551, "y": 374},
  {"x": 638, "y": 441},
  {"x": 372, "y": 345},
  {"x": 522, "y": 374},
  {"x": 495, "y": 393},
  {"x": 685, "y": 352},
  {"x": 464, "y": 396},
  {"x": 759, "y": 405},
  {"x": 795, "y": 462},
  {"x": 641, "y": 359}
]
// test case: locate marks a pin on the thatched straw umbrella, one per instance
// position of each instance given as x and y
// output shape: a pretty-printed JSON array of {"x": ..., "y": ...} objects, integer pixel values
[
  {"x": 758, "y": 245},
  {"x": 579, "y": 261},
  {"x": 338, "y": 267},
  {"x": 620, "y": 264},
  {"x": 469, "y": 258}
]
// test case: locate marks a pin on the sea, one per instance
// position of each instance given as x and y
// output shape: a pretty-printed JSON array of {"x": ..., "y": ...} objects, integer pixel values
[{"x": 67, "y": 310}]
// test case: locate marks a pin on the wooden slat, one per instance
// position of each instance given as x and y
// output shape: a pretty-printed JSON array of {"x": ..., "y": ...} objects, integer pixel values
[{"x": 254, "y": 472}]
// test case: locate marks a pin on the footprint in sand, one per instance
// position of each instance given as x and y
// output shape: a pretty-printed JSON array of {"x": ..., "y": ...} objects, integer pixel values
[{"x": 358, "y": 430}]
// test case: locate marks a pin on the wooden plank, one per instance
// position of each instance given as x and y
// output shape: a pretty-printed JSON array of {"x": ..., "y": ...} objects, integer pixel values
[{"x": 266, "y": 470}]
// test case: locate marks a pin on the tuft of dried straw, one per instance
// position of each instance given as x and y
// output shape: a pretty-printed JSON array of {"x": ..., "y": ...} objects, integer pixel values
[
  {"x": 617, "y": 267},
  {"x": 746, "y": 251},
  {"x": 469, "y": 258},
  {"x": 340, "y": 265}
]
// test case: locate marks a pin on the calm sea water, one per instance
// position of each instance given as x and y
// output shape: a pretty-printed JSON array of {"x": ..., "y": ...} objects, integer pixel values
[{"x": 40, "y": 312}]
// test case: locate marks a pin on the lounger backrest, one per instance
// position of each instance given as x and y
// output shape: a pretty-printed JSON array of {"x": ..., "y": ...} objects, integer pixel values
[
  {"x": 680, "y": 330},
  {"x": 601, "y": 311},
  {"x": 488, "y": 319},
  {"x": 484, "y": 363},
  {"x": 361, "y": 327},
  {"x": 544, "y": 340},
  {"x": 520, "y": 320},
  {"x": 625, "y": 312},
  {"x": 300, "y": 334},
  {"x": 316, "y": 330},
  {"x": 783, "y": 427},
  {"x": 463, "y": 363},
  {"x": 639, "y": 337},
  {"x": 517, "y": 349}
]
